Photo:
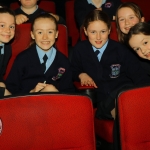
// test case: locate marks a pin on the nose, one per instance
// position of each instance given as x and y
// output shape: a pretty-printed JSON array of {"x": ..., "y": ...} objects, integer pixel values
[
  {"x": 44, "y": 36},
  {"x": 98, "y": 36},
  {"x": 7, "y": 29},
  {"x": 126, "y": 21},
  {"x": 143, "y": 50}
]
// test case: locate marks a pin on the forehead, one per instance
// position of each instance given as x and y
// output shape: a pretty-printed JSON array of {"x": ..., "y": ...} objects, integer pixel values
[
  {"x": 44, "y": 23},
  {"x": 125, "y": 11},
  {"x": 28, "y": 0},
  {"x": 7, "y": 18},
  {"x": 97, "y": 25}
]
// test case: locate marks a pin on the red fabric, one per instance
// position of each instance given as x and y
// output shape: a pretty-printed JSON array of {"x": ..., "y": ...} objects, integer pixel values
[
  {"x": 54, "y": 121},
  {"x": 134, "y": 112},
  {"x": 144, "y": 5},
  {"x": 62, "y": 40},
  {"x": 70, "y": 21},
  {"x": 79, "y": 87},
  {"x": 21, "y": 41}
]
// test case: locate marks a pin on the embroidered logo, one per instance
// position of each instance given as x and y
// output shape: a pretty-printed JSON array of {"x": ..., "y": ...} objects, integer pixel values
[
  {"x": 1, "y": 127},
  {"x": 108, "y": 5},
  {"x": 61, "y": 71},
  {"x": 115, "y": 70}
]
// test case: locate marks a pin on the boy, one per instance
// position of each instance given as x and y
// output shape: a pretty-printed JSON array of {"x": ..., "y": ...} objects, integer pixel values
[
  {"x": 29, "y": 10},
  {"x": 7, "y": 31}
]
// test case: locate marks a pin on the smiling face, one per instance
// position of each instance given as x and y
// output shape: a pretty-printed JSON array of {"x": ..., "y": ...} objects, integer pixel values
[
  {"x": 97, "y": 32},
  {"x": 7, "y": 27},
  {"x": 140, "y": 43},
  {"x": 44, "y": 32},
  {"x": 126, "y": 19}
]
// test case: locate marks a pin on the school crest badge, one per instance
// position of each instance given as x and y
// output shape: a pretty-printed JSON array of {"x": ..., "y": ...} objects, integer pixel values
[
  {"x": 115, "y": 70},
  {"x": 61, "y": 71}
]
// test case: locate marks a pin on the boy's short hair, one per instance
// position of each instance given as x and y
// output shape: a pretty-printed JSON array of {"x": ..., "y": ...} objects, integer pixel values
[{"x": 7, "y": 10}]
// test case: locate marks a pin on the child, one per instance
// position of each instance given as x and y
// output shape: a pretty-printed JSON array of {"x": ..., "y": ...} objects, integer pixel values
[
  {"x": 31, "y": 72},
  {"x": 139, "y": 39},
  {"x": 7, "y": 31},
  {"x": 29, "y": 10},
  {"x": 114, "y": 66},
  {"x": 83, "y": 7},
  {"x": 128, "y": 14}
]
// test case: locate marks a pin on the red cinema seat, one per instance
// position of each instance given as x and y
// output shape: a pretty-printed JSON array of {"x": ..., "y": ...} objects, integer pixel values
[
  {"x": 73, "y": 31},
  {"x": 47, "y": 122},
  {"x": 133, "y": 117},
  {"x": 21, "y": 41}
]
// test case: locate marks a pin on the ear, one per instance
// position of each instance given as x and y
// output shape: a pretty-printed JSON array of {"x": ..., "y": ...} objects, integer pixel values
[
  {"x": 142, "y": 19},
  {"x": 32, "y": 35},
  {"x": 85, "y": 31},
  {"x": 109, "y": 30},
  {"x": 57, "y": 32}
]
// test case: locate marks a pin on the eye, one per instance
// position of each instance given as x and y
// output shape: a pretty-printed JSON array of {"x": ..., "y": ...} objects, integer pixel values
[
  {"x": 121, "y": 20},
  {"x": 136, "y": 49},
  {"x": 2, "y": 26},
  {"x": 145, "y": 43},
  {"x": 104, "y": 31},
  {"x": 12, "y": 27},
  {"x": 93, "y": 32},
  {"x": 50, "y": 32},
  {"x": 39, "y": 32}
]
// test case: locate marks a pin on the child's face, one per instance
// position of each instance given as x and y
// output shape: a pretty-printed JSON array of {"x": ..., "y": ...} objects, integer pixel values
[
  {"x": 44, "y": 32},
  {"x": 140, "y": 43},
  {"x": 28, "y": 3},
  {"x": 127, "y": 19},
  {"x": 7, "y": 27},
  {"x": 97, "y": 32}
]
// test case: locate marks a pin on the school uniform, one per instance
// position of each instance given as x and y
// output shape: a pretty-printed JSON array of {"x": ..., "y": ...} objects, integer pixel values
[
  {"x": 117, "y": 67},
  {"x": 27, "y": 71},
  {"x": 83, "y": 7},
  {"x": 36, "y": 13},
  {"x": 4, "y": 58}
]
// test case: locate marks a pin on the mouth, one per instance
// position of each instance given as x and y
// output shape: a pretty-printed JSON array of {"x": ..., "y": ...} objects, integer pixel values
[
  {"x": 147, "y": 55},
  {"x": 127, "y": 28},
  {"x": 98, "y": 42},
  {"x": 45, "y": 42}
]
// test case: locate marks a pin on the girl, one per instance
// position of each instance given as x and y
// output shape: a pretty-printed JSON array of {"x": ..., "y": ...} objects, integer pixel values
[
  {"x": 7, "y": 32},
  {"x": 113, "y": 67},
  {"x": 127, "y": 15},
  {"x": 41, "y": 68},
  {"x": 139, "y": 39}
]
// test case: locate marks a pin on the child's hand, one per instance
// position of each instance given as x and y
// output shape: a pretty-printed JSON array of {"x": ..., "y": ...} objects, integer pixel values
[
  {"x": 86, "y": 80},
  {"x": 38, "y": 87},
  {"x": 2, "y": 85},
  {"x": 56, "y": 16},
  {"x": 21, "y": 19},
  {"x": 49, "y": 88}
]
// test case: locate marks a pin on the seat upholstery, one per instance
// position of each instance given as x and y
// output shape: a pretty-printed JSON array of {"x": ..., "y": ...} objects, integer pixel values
[
  {"x": 47, "y": 122},
  {"x": 73, "y": 31},
  {"x": 134, "y": 124}
]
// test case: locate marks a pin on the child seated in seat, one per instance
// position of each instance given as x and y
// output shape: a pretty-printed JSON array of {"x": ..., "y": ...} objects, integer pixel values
[
  {"x": 29, "y": 10},
  {"x": 7, "y": 32},
  {"x": 139, "y": 39},
  {"x": 41, "y": 67},
  {"x": 103, "y": 63}
]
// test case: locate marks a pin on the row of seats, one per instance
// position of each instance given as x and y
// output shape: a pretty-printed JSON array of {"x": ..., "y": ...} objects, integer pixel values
[{"x": 65, "y": 121}]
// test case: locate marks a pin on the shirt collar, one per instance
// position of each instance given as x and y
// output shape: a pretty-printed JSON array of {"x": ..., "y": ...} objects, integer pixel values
[
  {"x": 102, "y": 49},
  {"x": 41, "y": 53},
  {"x": 90, "y": 2},
  {"x": 2, "y": 50}
]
